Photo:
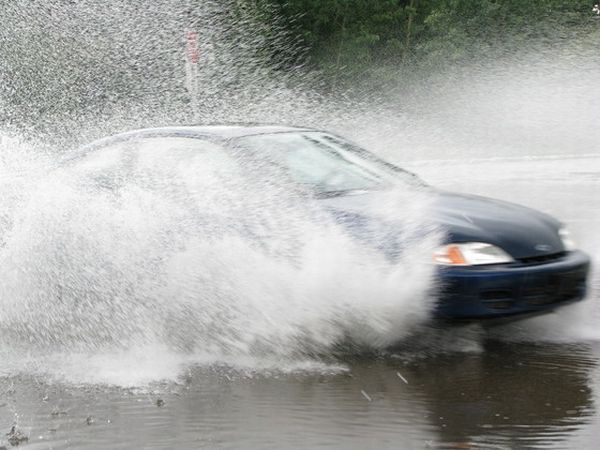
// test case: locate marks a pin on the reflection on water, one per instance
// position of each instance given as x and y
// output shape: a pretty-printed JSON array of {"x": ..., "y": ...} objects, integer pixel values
[
  {"x": 508, "y": 396},
  {"x": 511, "y": 396}
]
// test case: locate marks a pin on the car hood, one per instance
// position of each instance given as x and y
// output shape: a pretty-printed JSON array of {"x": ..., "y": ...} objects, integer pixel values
[{"x": 520, "y": 231}]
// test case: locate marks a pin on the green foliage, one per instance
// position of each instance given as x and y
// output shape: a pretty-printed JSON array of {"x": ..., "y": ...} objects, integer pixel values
[
  {"x": 462, "y": 29},
  {"x": 345, "y": 38}
]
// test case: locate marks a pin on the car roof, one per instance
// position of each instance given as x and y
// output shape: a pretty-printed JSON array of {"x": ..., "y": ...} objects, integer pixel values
[
  {"x": 214, "y": 131},
  {"x": 239, "y": 130},
  {"x": 220, "y": 132}
]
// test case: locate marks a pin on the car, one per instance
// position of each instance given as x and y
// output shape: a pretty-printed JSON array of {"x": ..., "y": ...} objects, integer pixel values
[{"x": 498, "y": 260}]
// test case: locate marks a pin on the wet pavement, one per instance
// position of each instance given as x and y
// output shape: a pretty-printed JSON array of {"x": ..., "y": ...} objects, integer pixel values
[{"x": 519, "y": 395}]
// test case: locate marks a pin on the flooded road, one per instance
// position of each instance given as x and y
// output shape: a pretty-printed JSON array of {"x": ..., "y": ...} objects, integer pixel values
[
  {"x": 505, "y": 396},
  {"x": 534, "y": 384}
]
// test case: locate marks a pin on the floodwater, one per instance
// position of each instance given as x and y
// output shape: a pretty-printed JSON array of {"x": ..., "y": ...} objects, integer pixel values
[
  {"x": 534, "y": 384},
  {"x": 505, "y": 396}
]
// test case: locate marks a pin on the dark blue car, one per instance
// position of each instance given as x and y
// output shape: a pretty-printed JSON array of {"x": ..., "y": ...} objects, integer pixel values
[{"x": 498, "y": 260}]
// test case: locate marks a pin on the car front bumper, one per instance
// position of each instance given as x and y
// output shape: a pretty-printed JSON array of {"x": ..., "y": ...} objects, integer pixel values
[{"x": 495, "y": 291}]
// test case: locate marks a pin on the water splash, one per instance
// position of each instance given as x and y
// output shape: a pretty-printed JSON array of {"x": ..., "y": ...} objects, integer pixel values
[{"x": 98, "y": 257}]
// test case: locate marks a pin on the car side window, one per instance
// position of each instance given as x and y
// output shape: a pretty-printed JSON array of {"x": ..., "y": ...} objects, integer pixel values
[{"x": 188, "y": 160}]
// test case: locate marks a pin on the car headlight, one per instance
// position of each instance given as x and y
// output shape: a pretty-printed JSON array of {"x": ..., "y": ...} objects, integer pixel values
[
  {"x": 470, "y": 254},
  {"x": 567, "y": 241}
]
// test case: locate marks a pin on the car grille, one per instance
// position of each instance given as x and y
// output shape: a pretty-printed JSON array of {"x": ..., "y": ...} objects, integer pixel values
[
  {"x": 542, "y": 259},
  {"x": 498, "y": 299},
  {"x": 555, "y": 288},
  {"x": 564, "y": 287}
]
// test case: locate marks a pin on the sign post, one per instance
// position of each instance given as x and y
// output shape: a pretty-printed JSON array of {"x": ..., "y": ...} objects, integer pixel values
[{"x": 192, "y": 55}]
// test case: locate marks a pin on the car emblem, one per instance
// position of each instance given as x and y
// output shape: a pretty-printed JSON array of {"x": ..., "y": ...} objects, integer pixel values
[{"x": 543, "y": 247}]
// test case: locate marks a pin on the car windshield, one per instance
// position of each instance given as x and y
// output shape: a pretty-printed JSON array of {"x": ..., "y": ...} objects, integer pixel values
[{"x": 320, "y": 162}]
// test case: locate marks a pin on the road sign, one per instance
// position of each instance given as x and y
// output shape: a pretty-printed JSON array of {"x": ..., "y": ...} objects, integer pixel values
[
  {"x": 191, "y": 47},
  {"x": 192, "y": 56}
]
